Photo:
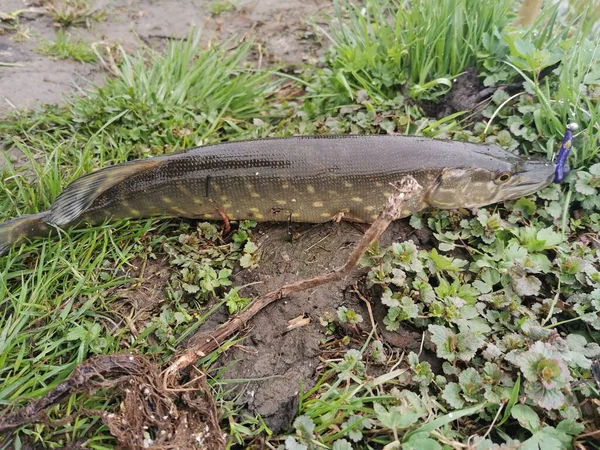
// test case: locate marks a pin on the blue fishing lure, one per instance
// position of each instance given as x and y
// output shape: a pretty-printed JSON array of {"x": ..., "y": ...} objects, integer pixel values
[{"x": 561, "y": 160}]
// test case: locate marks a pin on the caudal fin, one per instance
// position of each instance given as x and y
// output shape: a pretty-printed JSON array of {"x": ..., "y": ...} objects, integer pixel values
[
  {"x": 70, "y": 204},
  {"x": 26, "y": 227},
  {"x": 81, "y": 193}
]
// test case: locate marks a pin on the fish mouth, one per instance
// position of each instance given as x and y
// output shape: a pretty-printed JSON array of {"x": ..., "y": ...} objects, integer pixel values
[{"x": 534, "y": 175}]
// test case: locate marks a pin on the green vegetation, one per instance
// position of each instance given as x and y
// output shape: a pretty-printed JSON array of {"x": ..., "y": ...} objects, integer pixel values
[
  {"x": 65, "y": 47},
  {"x": 65, "y": 13},
  {"x": 387, "y": 43},
  {"x": 217, "y": 7},
  {"x": 180, "y": 99},
  {"x": 508, "y": 298}
]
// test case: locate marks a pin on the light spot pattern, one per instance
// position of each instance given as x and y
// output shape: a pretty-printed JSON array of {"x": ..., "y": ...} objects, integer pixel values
[{"x": 312, "y": 178}]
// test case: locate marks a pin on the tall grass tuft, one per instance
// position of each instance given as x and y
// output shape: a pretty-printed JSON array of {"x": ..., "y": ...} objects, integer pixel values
[
  {"x": 390, "y": 42},
  {"x": 188, "y": 87}
]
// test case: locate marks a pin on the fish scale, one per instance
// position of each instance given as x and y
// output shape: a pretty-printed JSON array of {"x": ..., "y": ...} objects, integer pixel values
[{"x": 306, "y": 179}]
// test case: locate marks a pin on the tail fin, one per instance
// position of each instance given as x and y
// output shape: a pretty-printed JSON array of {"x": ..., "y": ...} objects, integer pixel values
[
  {"x": 71, "y": 203},
  {"x": 26, "y": 227},
  {"x": 81, "y": 193}
]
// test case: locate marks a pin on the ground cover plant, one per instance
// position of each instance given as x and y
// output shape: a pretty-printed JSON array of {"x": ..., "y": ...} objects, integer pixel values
[
  {"x": 506, "y": 298},
  {"x": 66, "y": 47}
]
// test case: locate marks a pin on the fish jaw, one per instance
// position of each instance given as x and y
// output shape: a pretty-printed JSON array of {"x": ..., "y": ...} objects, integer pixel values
[{"x": 533, "y": 176}]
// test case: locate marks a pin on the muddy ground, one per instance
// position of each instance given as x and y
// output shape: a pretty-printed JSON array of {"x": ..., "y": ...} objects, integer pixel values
[
  {"x": 280, "y": 361},
  {"x": 283, "y": 361},
  {"x": 28, "y": 78}
]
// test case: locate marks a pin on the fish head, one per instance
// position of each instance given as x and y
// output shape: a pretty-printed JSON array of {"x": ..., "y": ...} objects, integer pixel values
[{"x": 489, "y": 179}]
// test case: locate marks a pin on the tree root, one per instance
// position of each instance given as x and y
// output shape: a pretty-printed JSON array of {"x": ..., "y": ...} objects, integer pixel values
[
  {"x": 149, "y": 415},
  {"x": 157, "y": 410}
]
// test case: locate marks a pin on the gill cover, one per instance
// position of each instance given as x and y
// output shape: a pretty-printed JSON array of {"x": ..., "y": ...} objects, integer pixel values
[{"x": 447, "y": 192}]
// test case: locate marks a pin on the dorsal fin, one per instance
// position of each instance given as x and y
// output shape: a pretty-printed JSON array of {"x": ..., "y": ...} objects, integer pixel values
[{"x": 81, "y": 193}]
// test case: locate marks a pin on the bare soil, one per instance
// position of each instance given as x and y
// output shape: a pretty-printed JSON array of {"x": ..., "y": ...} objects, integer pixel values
[
  {"x": 268, "y": 369},
  {"x": 28, "y": 78}
]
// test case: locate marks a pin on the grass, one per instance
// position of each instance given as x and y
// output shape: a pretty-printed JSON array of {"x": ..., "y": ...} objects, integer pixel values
[
  {"x": 589, "y": 11},
  {"x": 386, "y": 53},
  {"x": 65, "y": 47},
  {"x": 61, "y": 329},
  {"x": 385, "y": 44},
  {"x": 507, "y": 299},
  {"x": 178, "y": 99},
  {"x": 217, "y": 7},
  {"x": 65, "y": 13}
]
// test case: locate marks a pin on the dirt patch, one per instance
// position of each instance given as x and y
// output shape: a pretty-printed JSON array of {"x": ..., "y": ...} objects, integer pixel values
[
  {"x": 11, "y": 156},
  {"x": 468, "y": 93},
  {"x": 276, "y": 363},
  {"x": 28, "y": 78},
  {"x": 279, "y": 27},
  {"x": 137, "y": 304},
  {"x": 149, "y": 293}
]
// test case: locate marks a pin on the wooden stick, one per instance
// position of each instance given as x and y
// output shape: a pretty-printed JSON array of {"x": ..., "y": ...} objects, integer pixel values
[{"x": 205, "y": 342}]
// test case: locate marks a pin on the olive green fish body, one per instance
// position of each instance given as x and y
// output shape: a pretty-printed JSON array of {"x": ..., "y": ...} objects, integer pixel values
[
  {"x": 303, "y": 179},
  {"x": 270, "y": 180}
]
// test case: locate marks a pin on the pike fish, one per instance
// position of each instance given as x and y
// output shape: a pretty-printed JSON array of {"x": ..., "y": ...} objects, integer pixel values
[{"x": 301, "y": 179}]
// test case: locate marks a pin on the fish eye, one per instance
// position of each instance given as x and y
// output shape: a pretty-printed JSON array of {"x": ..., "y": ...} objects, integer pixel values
[{"x": 503, "y": 177}]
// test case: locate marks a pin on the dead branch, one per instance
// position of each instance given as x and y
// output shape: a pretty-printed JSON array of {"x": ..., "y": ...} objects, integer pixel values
[{"x": 179, "y": 418}]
